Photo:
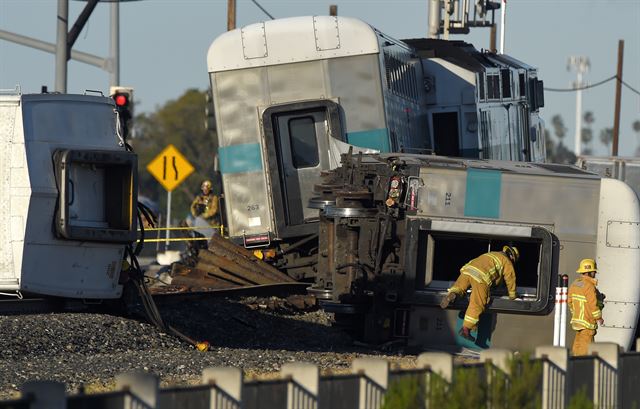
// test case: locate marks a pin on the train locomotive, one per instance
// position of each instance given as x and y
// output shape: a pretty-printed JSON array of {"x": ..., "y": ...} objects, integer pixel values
[{"x": 395, "y": 230}]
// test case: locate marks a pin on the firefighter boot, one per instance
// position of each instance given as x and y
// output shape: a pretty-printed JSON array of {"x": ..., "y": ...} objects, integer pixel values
[
  {"x": 451, "y": 297},
  {"x": 466, "y": 334}
]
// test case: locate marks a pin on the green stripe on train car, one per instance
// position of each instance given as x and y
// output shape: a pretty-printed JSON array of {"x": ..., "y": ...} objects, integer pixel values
[
  {"x": 372, "y": 139},
  {"x": 240, "y": 158},
  {"x": 482, "y": 198}
]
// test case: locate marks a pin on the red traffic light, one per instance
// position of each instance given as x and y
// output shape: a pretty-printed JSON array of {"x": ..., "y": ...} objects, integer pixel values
[{"x": 121, "y": 100}]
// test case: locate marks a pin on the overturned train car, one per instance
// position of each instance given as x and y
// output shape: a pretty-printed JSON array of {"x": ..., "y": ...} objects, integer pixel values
[
  {"x": 291, "y": 95},
  {"x": 67, "y": 196},
  {"x": 395, "y": 230}
]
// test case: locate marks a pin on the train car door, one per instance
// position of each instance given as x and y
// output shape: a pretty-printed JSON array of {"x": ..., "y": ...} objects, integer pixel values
[
  {"x": 446, "y": 133},
  {"x": 302, "y": 141},
  {"x": 297, "y": 143}
]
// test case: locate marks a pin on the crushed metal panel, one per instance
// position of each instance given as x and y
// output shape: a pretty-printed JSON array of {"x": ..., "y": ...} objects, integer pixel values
[
  {"x": 254, "y": 41},
  {"x": 622, "y": 234},
  {"x": 326, "y": 33}
]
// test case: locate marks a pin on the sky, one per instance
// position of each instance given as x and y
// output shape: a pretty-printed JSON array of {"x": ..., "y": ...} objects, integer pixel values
[{"x": 164, "y": 43}]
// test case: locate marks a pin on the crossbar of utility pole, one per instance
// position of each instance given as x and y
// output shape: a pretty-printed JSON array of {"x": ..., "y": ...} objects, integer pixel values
[{"x": 51, "y": 48}]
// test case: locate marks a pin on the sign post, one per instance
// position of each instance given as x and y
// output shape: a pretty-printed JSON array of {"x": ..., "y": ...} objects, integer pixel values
[{"x": 170, "y": 168}]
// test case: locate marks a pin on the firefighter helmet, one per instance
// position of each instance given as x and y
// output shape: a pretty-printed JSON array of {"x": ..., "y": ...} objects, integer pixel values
[
  {"x": 587, "y": 265},
  {"x": 206, "y": 185},
  {"x": 512, "y": 252}
]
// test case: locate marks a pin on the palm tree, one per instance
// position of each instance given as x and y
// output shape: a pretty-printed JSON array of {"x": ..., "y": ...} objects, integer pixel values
[
  {"x": 586, "y": 134},
  {"x": 636, "y": 128},
  {"x": 606, "y": 136}
]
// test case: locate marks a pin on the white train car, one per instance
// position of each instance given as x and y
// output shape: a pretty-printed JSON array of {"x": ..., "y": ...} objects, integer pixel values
[
  {"x": 291, "y": 95},
  {"x": 67, "y": 196},
  {"x": 626, "y": 169},
  {"x": 391, "y": 249}
]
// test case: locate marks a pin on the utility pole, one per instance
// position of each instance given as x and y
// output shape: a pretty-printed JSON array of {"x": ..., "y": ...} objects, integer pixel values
[
  {"x": 231, "y": 15},
  {"x": 62, "y": 53},
  {"x": 503, "y": 25},
  {"x": 581, "y": 65},
  {"x": 434, "y": 19},
  {"x": 114, "y": 45},
  {"x": 616, "y": 116},
  {"x": 333, "y": 10},
  {"x": 492, "y": 39}
]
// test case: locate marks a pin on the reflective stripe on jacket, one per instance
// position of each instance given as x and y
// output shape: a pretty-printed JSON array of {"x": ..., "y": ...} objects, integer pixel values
[
  {"x": 583, "y": 303},
  {"x": 491, "y": 268}
]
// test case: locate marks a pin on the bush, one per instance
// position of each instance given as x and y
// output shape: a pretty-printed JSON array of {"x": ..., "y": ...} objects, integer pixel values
[{"x": 471, "y": 390}]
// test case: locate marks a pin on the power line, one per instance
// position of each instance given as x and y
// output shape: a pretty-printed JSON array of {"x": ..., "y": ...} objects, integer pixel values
[
  {"x": 635, "y": 91},
  {"x": 630, "y": 87},
  {"x": 580, "y": 88},
  {"x": 263, "y": 9}
]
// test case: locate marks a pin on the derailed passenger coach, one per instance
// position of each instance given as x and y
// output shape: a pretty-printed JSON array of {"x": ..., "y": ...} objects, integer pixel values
[
  {"x": 68, "y": 191},
  {"x": 291, "y": 95},
  {"x": 396, "y": 229}
]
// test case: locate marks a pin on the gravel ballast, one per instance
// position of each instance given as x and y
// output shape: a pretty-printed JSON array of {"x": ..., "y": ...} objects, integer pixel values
[{"x": 89, "y": 349}]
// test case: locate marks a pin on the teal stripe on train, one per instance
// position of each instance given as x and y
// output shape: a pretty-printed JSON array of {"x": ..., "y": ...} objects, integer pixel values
[
  {"x": 482, "y": 198},
  {"x": 240, "y": 158},
  {"x": 372, "y": 139}
]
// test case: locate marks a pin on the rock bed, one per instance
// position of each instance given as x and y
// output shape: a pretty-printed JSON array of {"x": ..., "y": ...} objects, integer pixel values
[{"x": 89, "y": 349}]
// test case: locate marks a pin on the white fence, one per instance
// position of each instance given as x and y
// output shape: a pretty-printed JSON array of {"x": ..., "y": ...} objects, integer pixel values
[{"x": 608, "y": 378}]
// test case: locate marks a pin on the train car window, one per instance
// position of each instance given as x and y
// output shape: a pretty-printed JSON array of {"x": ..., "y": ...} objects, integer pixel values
[
  {"x": 400, "y": 74},
  {"x": 505, "y": 77},
  {"x": 451, "y": 252},
  {"x": 304, "y": 143},
  {"x": 540, "y": 93},
  {"x": 481, "y": 95},
  {"x": 536, "y": 94},
  {"x": 523, "y": 89},
  {"x": 434, "y": 261},
  {"x": 97, "y": 198},
  {"x": 493, "y": 87},
  {"x": 485, "y": 149}
]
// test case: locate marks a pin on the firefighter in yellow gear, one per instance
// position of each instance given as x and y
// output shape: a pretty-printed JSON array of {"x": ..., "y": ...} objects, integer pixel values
[
  {"x": 481, "y": 274},
  {"x": 585, "y": 304},
  {"x": 205, "y": 205}
]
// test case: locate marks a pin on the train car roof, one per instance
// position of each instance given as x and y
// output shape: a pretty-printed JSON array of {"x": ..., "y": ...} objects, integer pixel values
[
  {"x": 291, "y": 40},
  {"x": 608, "y": 159},
  {"x": 530, "y": 168},
  {"x": 462, "y": 54}
]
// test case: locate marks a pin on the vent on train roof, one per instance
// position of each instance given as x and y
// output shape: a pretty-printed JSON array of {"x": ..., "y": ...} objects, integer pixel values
[{"x": 563, "y": 169}]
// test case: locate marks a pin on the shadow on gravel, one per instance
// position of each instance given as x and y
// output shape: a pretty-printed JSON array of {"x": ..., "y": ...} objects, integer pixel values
[{"x": 245, "y": 323}]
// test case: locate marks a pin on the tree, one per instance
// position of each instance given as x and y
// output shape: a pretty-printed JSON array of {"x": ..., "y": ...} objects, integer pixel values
[
  {"x": 636, "y": 128},
  {"x": 558, "y": 127},
  {"x": 557, "y": 152},
  {"x": 606, "y": 136},
  {"x": 179, "y": 122},
  {"x": 586, "y": 133}
]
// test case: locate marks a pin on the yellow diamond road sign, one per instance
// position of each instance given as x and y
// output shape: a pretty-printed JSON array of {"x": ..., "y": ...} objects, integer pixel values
[{"x": 170, "y": 168}]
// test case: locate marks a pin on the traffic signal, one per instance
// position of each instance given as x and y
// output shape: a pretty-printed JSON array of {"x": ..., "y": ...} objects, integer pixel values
[{"x": 123, "y": 97}]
